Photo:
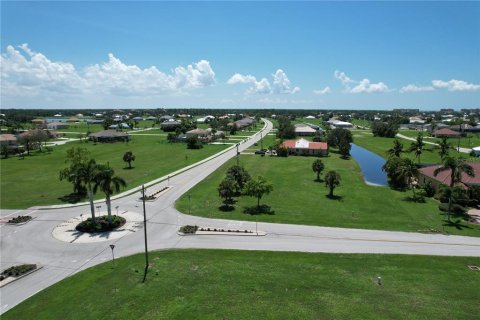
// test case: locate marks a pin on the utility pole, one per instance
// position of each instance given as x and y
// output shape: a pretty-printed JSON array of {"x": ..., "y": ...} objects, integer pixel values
[
  {"x": 238, "y": 155},
  {"x": 145, "y": 233},
  {"x": 261, "y": 141}
]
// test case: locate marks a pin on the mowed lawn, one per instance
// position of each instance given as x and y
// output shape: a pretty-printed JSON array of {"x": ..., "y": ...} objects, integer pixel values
[
  {"x": 222, "y": 284},
  {"x": 469, "y": 141},
  {"x": 298, "y": 199},
  {"x": 35, "y": 181},
  {"x": 379, "y": 145}
]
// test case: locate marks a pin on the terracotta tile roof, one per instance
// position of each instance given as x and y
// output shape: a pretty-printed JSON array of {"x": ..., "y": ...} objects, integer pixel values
[
  {"x": 446, "y": 132},
  {"x": 7, "y": 137},
  {"x": 304, "y": 144},
  {"x": 445, "y": 176}
]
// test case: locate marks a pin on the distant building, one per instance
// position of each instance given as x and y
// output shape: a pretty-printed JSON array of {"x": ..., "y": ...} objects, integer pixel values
[
  {"x": 304, "y": 130},
  {"x": 57, "y": 125},
  {"x": 339, "y": 124},
  {"x": 445, "y": 132},
  {"x": 304, "y": 147},
  {"x": 109, "y": 136}
]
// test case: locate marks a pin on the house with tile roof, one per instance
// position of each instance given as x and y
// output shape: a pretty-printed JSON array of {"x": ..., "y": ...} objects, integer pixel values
[
  {"x": 445, "y": 132},
  {"x": 302, "y": 147},
  {"x": 444, "y": 177}
]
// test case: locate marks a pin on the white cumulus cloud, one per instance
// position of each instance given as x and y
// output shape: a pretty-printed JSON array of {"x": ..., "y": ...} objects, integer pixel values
[
  {"x": 281, "y": 83},
  {"x": 322, "y": 91},
  {"x": 455, "y": 85},
  {"x": 25, "y": 71},
  {"x": 415, "y": 88},
  {"x": 362, "y": 86}
]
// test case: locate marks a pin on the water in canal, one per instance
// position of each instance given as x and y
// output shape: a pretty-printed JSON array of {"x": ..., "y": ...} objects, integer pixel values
[{"x": 371, "y": 166}]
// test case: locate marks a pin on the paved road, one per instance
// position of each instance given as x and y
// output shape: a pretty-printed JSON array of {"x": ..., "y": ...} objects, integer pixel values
[
  {"x": 460, "y": 149},
  {"x": 33, "y": 242}
]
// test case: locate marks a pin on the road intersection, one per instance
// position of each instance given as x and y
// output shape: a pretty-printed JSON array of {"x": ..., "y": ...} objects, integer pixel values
[{"x": 34, "y": 243}]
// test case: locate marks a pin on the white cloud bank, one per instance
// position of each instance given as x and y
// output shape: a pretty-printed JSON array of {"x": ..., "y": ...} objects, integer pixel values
[
  {"x": 281, "y": 83},
  {"x": 415, "y": 88},
  {"x": 363, "y": 86},
  {"x": 26, "y": 72},
  {"x": 455, "y": 85}
]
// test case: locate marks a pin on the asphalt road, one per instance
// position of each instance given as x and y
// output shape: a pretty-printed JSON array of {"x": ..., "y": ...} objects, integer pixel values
[{"x": 34, "y": 243}]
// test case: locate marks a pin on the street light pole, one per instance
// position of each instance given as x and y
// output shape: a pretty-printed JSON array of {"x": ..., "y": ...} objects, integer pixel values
[
  {"x": 238, "y": 154},
  {"x": 112, "y": 246},
  {"x": 145, "y": 234},
  {"x": 261, "y": 141}
]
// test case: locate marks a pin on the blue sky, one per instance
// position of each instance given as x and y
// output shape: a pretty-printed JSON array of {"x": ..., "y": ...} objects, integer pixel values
[{"x": 339, "y": 55}]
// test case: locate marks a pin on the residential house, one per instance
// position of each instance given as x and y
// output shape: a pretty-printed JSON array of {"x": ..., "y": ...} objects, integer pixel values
[
  {"x": 304, "y": 147},
  {"x": 304, "y": 130},
  {"x": 445, "y": 132},
  {"x": 444, "y": 177},
  {"x": 57, "y": 125},
  {"x": 109, "y": 136}
]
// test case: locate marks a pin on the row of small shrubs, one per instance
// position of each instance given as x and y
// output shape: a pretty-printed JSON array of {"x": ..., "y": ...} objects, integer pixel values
[
  {"x": 16, "y": 271},
  {"x": 152, "y": 196},
  {"x": 188, "y": 229},
  {"x": 101, "y": 224},
  {"x": 225, "y": 230},
  {"x": 20, "y": 219}
]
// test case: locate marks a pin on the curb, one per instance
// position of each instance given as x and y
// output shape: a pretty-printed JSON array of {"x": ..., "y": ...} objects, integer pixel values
[{"x": 20, "y": 277}]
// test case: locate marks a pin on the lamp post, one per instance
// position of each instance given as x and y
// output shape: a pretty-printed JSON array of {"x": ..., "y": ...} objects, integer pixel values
[
  {"x": 261, "y": 141},
  {"x": 112, "y": 246},
  {"x": 98, "y": 209},
  {"x": 238, "y": 155},
  {"x": 145, "y": 233},
  {"x": 117, "y": 210}
]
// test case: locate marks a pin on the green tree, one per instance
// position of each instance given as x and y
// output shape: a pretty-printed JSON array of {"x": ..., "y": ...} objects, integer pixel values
[
  {"x": 384, "y": 129},
  {"x": 5, "y": 150},
  {"x": 418, "y": 146},
  {"x": 332, "y": 180},
  {"x": 108, "y": 183},
  {"x": 396, "y": 150},
  {"x": 445, "y": 147},
  {"x": 317, "y": 167},
  {"x": 87, "y": 172},
  {"x": 226, "y": 188},
  {"x": 286, "y": 130},
  {"x": 76, "y": 157},
  {"x": 409, "y": 171},
  {"x": 128, "y": 157},
  {"x": 194, "y": 143},
  {"x": 258, "y": 188},
  {"x": 240, "y": 176},
  {"x": 456, "y": 167},
  {"x": 344, "y": 148},
  {"x": 337, "y": 135},
  {"x": 395, "y": 175}
]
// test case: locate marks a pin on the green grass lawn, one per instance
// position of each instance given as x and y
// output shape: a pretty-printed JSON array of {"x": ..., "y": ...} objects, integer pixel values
[
  {"x": 298, "y": 199},
  {"x": 223, "y": 284},
  {"x": 379, "y": 145},
  {"x": 34, "y": 180},
  {"x": 469, "y": 141}
]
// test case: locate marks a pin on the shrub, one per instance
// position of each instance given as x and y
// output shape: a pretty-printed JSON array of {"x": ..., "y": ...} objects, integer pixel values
[
  {"x": 429, "y": 189},
  {"x": 16, "y": 271},
  {"x": 20, "y": 219},
  {"x": 282, "y": 152},
  {"x": 101, "y": 224},
  {"x": 188, "y": 229},
  {"x": 456, "y": 208}
]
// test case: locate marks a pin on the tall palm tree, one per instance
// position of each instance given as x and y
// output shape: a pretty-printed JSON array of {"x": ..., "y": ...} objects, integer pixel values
[
  {"x": 418, "y": 147},
  {"x": 408, "y": 169},
  {"x": 317, "y": 167},
  {"x": 445, "y": 147},
  {"x": 106, "y": 181},
  {"x": 87, "y": 172},
  {"x": 396, "y": 150},
  {"x": 457, "y": 167}
]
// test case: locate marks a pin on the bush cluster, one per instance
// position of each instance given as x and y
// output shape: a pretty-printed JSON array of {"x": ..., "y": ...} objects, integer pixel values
[
  {"x": 101, "y": 224},
  {"x": 20, "y": 219},
  {"x": 189, "y": 229},
  {"x": 16, "y": 271}
]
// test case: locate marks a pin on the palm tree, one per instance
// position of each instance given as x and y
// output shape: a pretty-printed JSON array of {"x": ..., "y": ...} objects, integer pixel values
[
  {"x": 418, "y": 147},
  {"x": 457, "y": 167},
  {"x": 332, "y": 180},
  {"x": 444, "y": 148},
  {"x": 86, "y": 173},
  {"x": 318, "y": 166},
  {"x": 129, "y": 157},
  {"x": 408, "y": 169},
  {"x": 109, "y": 184},
  {"x": 396, "y": 150}
]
